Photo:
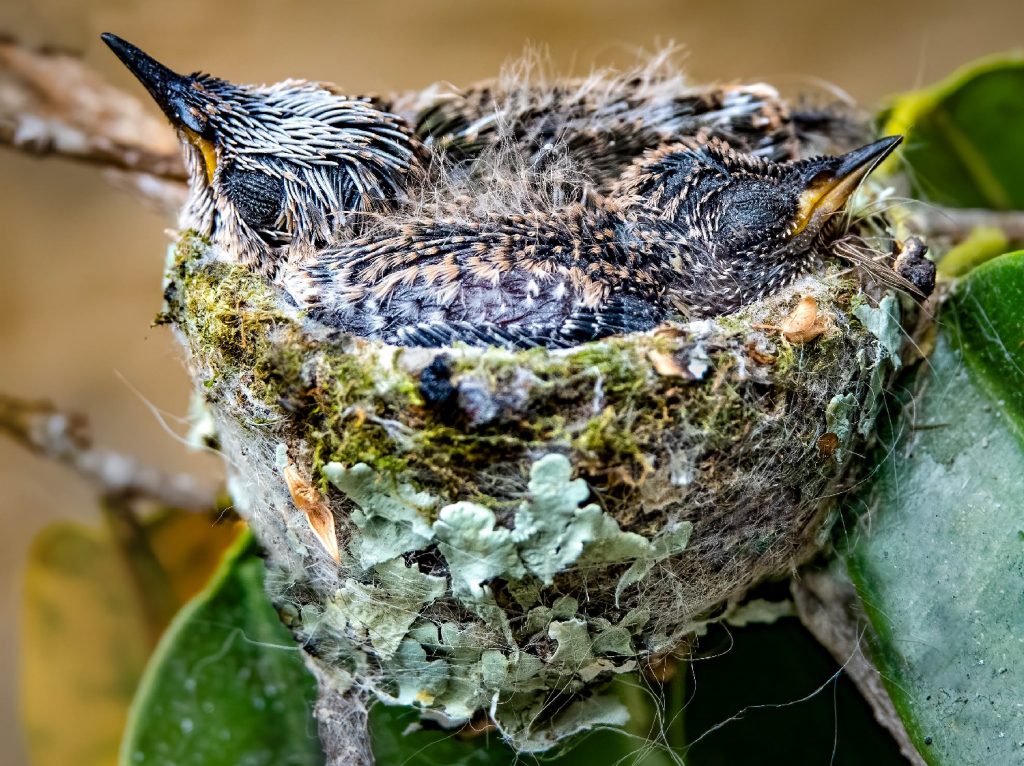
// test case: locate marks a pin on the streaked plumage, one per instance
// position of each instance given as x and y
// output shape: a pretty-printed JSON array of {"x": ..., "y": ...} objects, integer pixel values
[
  {"x": 484, "y": 227},
  {"x": 602, "y": 122},
  {"x": 520, "y": 281},
  {"x": 279, "y": 168},
  {"x": 603, "y": 131},
  {"x": 727, "y": 231}
]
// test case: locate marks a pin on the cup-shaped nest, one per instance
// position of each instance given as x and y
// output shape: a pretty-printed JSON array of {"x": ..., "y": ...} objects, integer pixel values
[{"x": 471, "y": 529}]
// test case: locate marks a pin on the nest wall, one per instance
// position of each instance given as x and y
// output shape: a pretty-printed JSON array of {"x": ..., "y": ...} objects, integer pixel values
[{"x": 515, "y": 528}]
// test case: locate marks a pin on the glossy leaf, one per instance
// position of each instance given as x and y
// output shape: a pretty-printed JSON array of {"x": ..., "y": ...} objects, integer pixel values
[
  {"x": 940, "y": 562},
  {"x": 986, "y": 318},
  {"x": 86, "y": 635},
  {"x": 84, "y": 646},
  {"x": 982, "y": 244},
  {"x": 965, "y": 136},
  {"x": 227, "y": 684}
]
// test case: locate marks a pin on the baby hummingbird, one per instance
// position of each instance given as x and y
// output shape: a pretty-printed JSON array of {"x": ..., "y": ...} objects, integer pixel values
[
  {"x": 754, "y": 225},
  {"x": 693, "y": 231},
  {"x": 280, "y": 168}
]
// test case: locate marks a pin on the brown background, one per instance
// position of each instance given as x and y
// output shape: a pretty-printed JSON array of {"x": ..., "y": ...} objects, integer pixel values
[{"x": 80, "y": 262}]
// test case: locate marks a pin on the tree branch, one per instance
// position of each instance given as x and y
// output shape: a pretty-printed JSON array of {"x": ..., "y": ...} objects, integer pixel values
[
  {"x": 957, "y": 224},
  {"x": 51, "y": 104},
  {"x": 45, "y": 430}
]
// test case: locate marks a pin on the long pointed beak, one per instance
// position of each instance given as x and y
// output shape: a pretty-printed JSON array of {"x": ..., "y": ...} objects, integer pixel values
[
  {"x": 831, "y": 181},
  {"x": 855, "y": 166},
  {"x": 169, "y": 89}
]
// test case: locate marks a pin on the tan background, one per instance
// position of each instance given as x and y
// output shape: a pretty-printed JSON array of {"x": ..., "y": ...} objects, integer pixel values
[{"x": 80, "y": 262}]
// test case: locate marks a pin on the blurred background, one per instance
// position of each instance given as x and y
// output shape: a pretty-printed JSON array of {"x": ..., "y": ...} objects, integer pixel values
[{"x": 81, "y": 261}]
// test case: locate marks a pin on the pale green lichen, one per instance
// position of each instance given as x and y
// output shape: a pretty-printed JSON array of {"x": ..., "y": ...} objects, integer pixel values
[
  {"x": 838, "y": 414},
  {"x": 884, "y": 324},
  {"x": 475, "y": 550},
  {"x": 553, "y": 531},
  {"x": 581, "y": 715},
  {"x": 456, "y": 670},
  {"x": 420, "y": 681},
  {"x": 384, "y": 613},
  {"x": 392, "y": 518},
  {"x": 671, "y": 540}
]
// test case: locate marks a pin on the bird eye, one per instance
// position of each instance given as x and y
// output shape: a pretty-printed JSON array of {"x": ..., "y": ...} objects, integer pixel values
[
  {"x": 751, "y": 208},
  {"x": 258, "y": 197}
]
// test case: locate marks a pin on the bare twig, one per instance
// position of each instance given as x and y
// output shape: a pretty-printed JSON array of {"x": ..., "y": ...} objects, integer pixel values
[
  {"x": 957, "y": 224},
  {"x": 45, "y": 430},
  {"x": 51, "y": 104},
  {"x": 826, "y": 606},
  {"x": 342, "y": 720}
]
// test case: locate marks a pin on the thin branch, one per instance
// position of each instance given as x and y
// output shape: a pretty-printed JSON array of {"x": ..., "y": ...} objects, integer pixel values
[
  {"x": 957, "y": 224},
  {"x": 45, "y": 430},
  {"x": 826, "y": 606},
  {"x": 51, "y": 104}
]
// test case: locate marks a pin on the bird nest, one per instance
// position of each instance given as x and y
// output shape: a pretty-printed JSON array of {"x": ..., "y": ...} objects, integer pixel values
[{"x": 470, "y": 529}]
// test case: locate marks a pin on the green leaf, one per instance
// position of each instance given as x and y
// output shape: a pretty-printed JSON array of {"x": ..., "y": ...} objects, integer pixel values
[
  {"x": 227, "y": 684},
  {"x": 940, "y": 565},
  {"x": 965, "y": 136},
  {"x": 982, "y": 244},
  {"x": 84, "y": 646},
  {"x": 986, "y": 316}
]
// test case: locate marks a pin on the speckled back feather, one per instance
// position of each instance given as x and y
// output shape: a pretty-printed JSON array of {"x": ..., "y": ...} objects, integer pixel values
[
  {"x": 524, "y": 280},
  {"x": 604, "y": 121}
]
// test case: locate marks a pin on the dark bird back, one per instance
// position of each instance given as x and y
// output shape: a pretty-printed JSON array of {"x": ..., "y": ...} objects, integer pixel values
[{"x": 697, "y": 230}]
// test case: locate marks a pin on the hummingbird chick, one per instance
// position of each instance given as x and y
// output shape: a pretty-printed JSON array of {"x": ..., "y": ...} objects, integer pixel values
[
  {"x": 729, "y": 196},
  {"x": 602, "y": 123},
  {"x": 771, "y": 217},
  {"x": 280, "y": 168},
  {"x": 696, "y": 231}
]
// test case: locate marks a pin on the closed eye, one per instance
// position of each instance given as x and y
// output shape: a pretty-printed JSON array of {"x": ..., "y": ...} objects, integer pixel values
[
  {"x": 258, "y": 197},
  {"x": 751, "y": 208}
]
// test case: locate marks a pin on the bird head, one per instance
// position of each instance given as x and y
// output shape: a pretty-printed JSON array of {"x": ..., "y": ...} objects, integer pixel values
[
  {"x": 760, "y": 223},
  {"x": 281, "y": 168}
]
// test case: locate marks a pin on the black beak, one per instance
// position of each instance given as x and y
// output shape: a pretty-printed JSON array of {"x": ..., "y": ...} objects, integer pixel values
[
  {"x": 858, "y": 163},
  {"x": 831, "y": 181},
  {"x": 172, "y": 92}
]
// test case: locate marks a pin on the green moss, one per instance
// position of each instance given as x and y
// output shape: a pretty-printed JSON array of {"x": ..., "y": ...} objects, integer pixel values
[
  {"x": 786, "y": 358},
  {"x": 609, "y": 436},
  {"x": 227, "y": 312},
  {"x": 237, "y": 332},
  {"x": 602, "y": 405}
]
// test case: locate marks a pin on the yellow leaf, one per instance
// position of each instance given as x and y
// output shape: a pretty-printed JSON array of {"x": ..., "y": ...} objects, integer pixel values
[{"x": 85, "y": 638}]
